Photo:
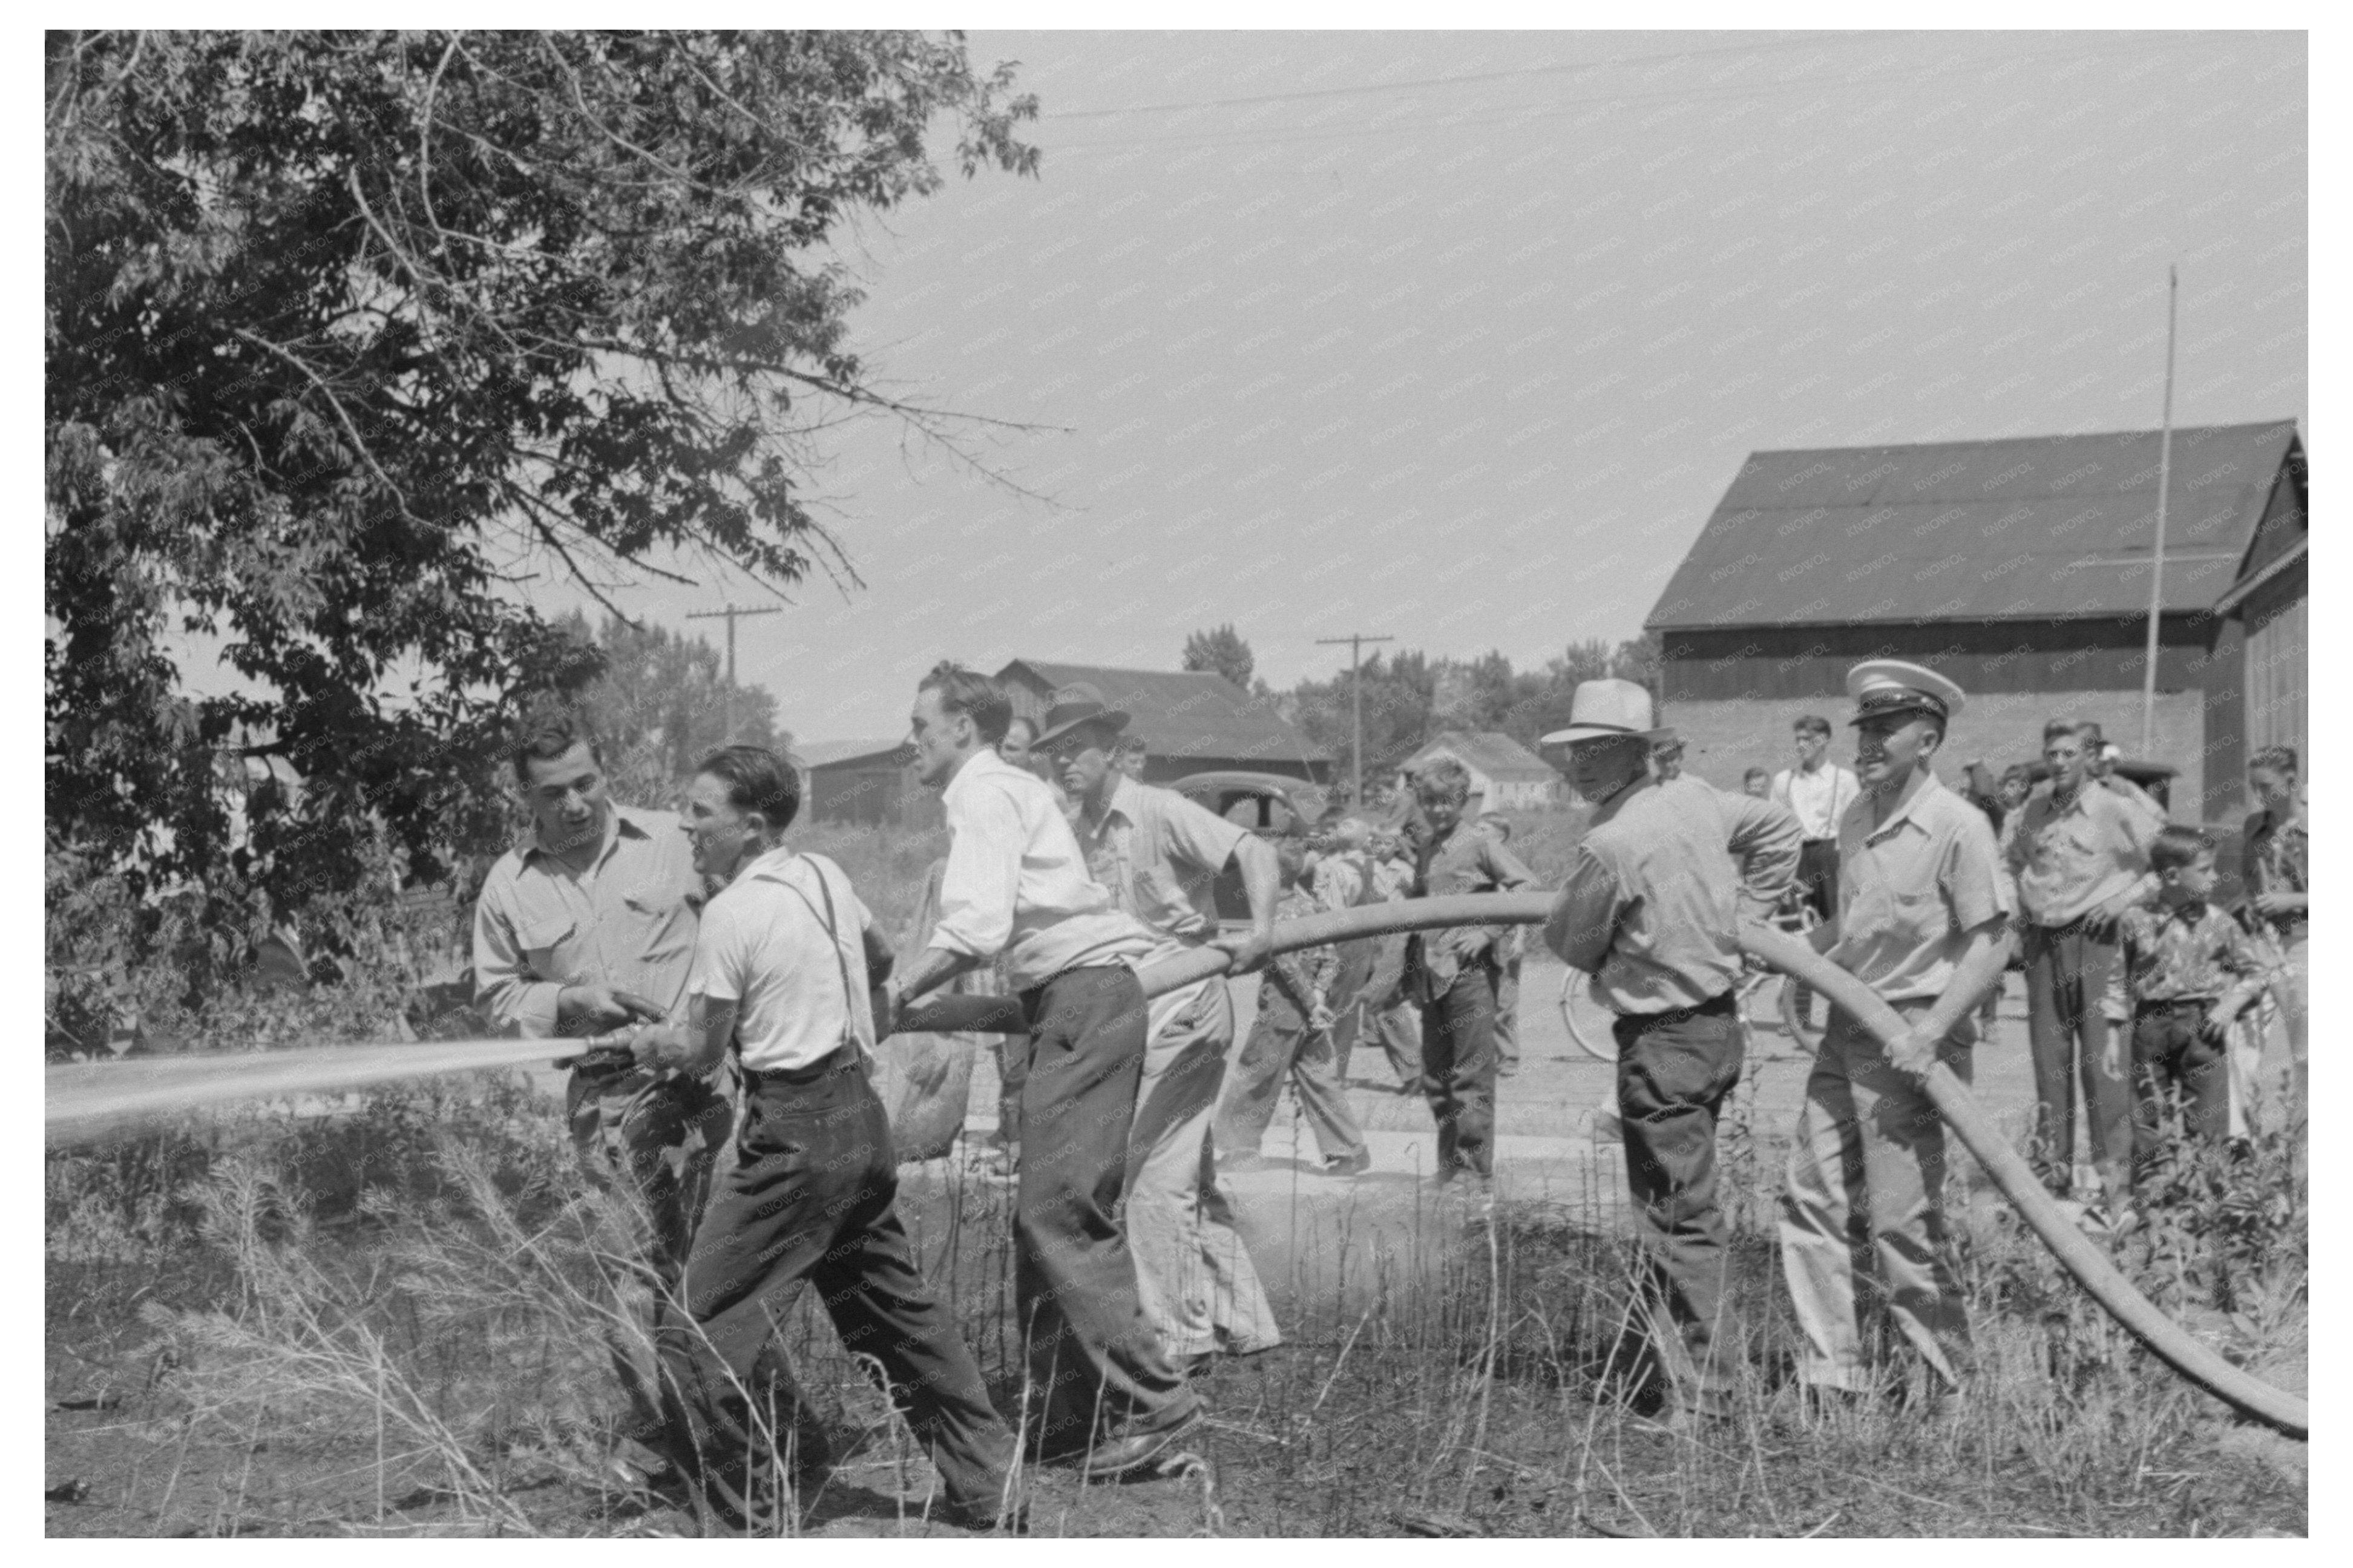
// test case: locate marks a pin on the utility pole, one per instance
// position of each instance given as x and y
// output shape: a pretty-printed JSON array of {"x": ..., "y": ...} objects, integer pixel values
[
  {"x": 2157, "y": 561},
  {"x": 727, "y": 693},
  {"x": 1356, "y": 641}
]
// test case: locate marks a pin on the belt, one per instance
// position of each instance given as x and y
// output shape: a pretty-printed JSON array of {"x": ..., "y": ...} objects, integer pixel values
[
  {"x": 842, "y": 1059},
  {"x": 1713, "y": 1008},
  {"x": 2173, "y": 1004}
]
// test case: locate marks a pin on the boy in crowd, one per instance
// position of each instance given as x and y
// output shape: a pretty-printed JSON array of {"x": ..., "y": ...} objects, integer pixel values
[
  {"x": 1292, "y": 1035},
  {"x": 1453, "y": 971},
  {"x": 1757, "y": 782},
  {"x": 1513, "y": 950},
  {"x": 2192, "y": 970}
]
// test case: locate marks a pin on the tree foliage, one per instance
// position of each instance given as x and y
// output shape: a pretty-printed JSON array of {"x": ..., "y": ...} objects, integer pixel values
[
  {"x": 1222, "y": 649},
  {"x": 1409, "y": 699},
  {"x": 662, "y": 703},
  {"x": 348, "y": 336}
]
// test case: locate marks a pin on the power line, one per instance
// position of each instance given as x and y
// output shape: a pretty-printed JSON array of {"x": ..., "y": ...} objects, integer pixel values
[
  {"x": 1417, "y": 84},
  {"x": 1356, "y": 641},
  {"x": 727, "y": 695},
  {"x": 1541, "y": 109}
]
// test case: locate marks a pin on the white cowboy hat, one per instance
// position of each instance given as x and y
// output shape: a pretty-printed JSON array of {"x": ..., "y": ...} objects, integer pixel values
[{"x": 1607, "y": 709}]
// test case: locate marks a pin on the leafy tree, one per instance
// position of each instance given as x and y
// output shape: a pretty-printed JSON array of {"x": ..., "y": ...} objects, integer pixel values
[
  {"x": 1222, "y": 649},
  {"x": 347, "y": 335},
  {"x": 662, "y": 704},
  {"x": 1400, "y": 691}
]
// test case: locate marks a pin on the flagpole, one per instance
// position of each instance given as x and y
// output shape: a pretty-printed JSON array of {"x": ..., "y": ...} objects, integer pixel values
[{"x": 2157, "y": 560}]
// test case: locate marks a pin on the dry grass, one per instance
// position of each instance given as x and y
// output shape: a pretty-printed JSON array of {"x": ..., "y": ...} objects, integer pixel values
[{"x": 408, "y": 1311}]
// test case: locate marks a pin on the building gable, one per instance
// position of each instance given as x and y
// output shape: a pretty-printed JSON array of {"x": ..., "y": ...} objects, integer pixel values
[{"x": 1184, "y": 715}]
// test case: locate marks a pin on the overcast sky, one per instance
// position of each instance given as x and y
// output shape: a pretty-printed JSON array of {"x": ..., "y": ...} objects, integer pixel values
[{"x": 1458, "y": 338}]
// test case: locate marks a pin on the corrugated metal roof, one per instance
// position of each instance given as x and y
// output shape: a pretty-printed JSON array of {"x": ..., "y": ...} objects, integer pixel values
[
  {"x": 1181, "y": 713},
  {"x": 1493, "y": 753},
  {"x": 2034, "y": 529}
]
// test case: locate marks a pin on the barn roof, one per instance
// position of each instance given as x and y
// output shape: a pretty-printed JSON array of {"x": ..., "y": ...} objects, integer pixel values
[
  {"x": 1493, "y": 753},
  {"x": 2051, "y": 527},
  {"x": 824, "y": 753},
  {"x": 1181, "y": 713}
]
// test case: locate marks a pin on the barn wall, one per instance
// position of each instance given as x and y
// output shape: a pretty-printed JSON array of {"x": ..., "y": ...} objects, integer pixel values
[
  {"x": 2277, "y": 657},
  {"x": 1723, "y": 738},
  {"x": 2225, "y": 684},
  {"x": 1787, "y": 663}
]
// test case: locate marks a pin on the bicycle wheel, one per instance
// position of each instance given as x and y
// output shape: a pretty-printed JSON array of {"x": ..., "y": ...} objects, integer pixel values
[
  {"x": 1586, "y": 1019},
  {"x": 1796, "y": 1027}
]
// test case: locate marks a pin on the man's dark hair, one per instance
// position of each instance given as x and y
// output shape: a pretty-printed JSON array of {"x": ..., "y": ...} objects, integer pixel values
[
  {"x": 756, "y": 780},
  {"x": 548, "y": 729},
  {"x": 972, "y": 694},
  {"x": 1765, "y": 773},
  {"x": 1811, "y": 724},
  {"x": 2058, "y": 727},
  {"x": 2275, "y": 759},
  {"x": 2177, "y": 846}
]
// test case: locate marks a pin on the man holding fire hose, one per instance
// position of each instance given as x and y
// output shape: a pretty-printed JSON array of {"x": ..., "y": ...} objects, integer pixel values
[
  {"x": 1650, "y": 908},
  {"x": 1921, "y": 895}
]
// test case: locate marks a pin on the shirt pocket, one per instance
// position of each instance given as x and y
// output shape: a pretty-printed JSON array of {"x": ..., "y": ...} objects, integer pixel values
[
  {"x": 662, "y": 924},
  {"x": 547, "y": 946}
]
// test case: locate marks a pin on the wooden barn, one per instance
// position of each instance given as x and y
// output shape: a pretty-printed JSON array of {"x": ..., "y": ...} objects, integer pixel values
[
  {"x": 1504, "y": 774},
  {"x": 1191, "y": 721},
  {"x": 868, "y": 784},
  {"x": 2021, "y": 568}
]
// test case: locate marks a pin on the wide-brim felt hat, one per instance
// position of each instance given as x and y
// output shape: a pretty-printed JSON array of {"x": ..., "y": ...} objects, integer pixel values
[
  {"x": 1075, "y": 705},
  {"x": 1607, "y": 710},
  {"x": 1890, "y": 686}
]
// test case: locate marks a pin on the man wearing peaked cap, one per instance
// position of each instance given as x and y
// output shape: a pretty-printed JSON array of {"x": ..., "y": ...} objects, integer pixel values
[
  {"x": 1650, "y": 908},
  {"x": 1920, "y": 893}
]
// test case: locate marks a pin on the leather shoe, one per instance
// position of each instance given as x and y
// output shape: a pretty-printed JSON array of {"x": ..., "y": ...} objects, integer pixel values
[{"x": 1138, "y": 1454}]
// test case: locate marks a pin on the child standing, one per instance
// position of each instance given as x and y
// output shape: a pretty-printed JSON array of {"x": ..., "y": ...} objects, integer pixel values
[{"x": 2192, "y": 970}]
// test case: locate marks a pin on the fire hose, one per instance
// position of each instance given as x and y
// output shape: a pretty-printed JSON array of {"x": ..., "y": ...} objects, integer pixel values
[
  {"x": 85, "y": 1100},
  {"x": 2076, "y": 1252}
]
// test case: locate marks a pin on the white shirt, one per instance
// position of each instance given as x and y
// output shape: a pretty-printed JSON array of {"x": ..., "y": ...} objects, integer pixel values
[
  {"x": 764, "y": 947},
  {"x": 1016, "y": 882},
  {"x": 1819, "y": 800}
]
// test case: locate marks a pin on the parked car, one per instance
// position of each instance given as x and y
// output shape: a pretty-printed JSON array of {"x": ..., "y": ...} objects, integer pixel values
[{"x": 1267, "y": 803}]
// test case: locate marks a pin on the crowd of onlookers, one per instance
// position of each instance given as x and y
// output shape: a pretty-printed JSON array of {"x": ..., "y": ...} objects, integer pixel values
[{"x": 2140, "y": 988}]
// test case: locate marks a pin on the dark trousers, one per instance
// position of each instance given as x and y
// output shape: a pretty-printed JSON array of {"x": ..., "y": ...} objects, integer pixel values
[
  {"x": 1281, "y": 1045},
  {"x": 2066, "y": 975},
  {"x": 1674, "y": 1071},
  {"x": 2173, "y": 1062},
  {"x": 1458, "y": 1069},
  {"x": 1818, "y": 881},
  {"x": 1507, "y": 1014},
  {"x": 811, "y": 1200},
  {"x": 1094, "y": 1360}
]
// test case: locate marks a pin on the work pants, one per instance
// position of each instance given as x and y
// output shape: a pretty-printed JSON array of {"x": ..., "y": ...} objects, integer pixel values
[
  {"x": 811, "y": 1200},
  {"x": 1457, "y": 1068},
  {"x": 1350, "y": 989},
  {"x": 1193, "y": 1275},
  {"x": 1012, "y": 1066},
  {"x": 2173, "y": 1063},
  {"x": 2067, "y": 973},
  {"x": 1674, "y": 1070},
  {"x": 1389, "y": 1019},
  {"x": 1281, "y": 1045},
  {"x": 1862, "y": 1217},
  {"x": 1094, "y": 1360},
  {"x": 1507, "y": 1014},
  {"x": 652, "y": 1143}
]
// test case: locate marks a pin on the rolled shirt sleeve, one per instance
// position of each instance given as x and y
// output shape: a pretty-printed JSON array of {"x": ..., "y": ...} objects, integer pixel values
[{"x": 503, "y": 984}]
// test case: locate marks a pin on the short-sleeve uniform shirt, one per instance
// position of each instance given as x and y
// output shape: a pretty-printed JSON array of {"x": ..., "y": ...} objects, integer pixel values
[{"x": 1910, "y": 890}]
